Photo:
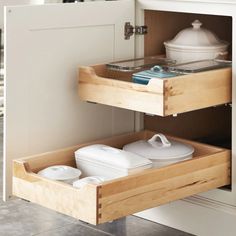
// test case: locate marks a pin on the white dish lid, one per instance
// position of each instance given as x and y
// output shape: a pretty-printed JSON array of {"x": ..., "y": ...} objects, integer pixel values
[
  {"x": 60, "y": 172},
  {"x": 111, "y": 157},
  {"x": 196, "y": 37},
  {"x": 160, "y": 148}
]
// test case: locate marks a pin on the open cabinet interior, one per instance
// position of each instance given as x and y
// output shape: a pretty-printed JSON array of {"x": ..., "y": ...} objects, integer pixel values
[
  {"x": 211, "y": 125},
  {"x": 163, "y": 26}
]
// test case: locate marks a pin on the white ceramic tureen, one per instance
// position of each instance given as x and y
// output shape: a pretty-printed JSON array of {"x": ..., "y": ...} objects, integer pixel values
[
  {"x": 195, "y": 43},
  {"x": 160, "y": 150}
]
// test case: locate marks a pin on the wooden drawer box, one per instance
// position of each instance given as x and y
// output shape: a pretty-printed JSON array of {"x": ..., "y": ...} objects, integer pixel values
[
  {"x": 161, "y": 97},
  {"x": 209, "y": 169}
]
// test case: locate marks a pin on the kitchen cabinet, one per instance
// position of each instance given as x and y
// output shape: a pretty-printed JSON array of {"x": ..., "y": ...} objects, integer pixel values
[{"x": 44, "y": 112}]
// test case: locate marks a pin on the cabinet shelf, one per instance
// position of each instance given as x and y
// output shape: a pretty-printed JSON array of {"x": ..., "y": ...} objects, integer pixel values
[
  {"x": 208, "y": 169},
  {"x": 161, "y": 97}
]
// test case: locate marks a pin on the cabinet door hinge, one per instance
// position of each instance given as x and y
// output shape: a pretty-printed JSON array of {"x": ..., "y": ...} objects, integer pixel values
[{"x": 130, "y": 30}]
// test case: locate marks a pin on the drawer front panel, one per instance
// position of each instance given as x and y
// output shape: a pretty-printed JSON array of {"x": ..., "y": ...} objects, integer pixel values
[{"x": 168, "y": 184}]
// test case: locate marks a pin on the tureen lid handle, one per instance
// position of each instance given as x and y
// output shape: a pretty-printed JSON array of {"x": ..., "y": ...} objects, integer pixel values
[
  {"x": 196, "y": 24},
  {"x": 164, "y": 141}
]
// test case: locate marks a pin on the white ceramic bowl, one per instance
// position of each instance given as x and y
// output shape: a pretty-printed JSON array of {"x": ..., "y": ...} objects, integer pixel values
[
  {"x": 88, "y": 180},
  {"x": 195, "y": 43},
  {"x": 62, "y": 173}
]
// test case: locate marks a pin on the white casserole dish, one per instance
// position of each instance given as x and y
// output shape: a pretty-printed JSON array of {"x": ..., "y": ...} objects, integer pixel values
[
  {"x": 194, "y": 44},
  {"x": 160, "y": 150},
  {"x": 109, "y": 162}
]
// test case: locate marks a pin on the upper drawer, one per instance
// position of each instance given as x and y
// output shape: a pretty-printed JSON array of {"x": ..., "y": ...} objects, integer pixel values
[
  {"x": 209, "y": 169},
  {"x": 160, "y": 96}
]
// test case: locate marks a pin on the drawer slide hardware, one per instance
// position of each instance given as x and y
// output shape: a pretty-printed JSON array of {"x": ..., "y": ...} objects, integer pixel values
[{"x": 131, "y": 30}]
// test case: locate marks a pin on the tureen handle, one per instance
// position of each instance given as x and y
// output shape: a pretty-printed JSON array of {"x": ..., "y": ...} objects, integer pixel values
[
  {"x": 165, "y": 142},
  {"x": 196, "y": 24}
]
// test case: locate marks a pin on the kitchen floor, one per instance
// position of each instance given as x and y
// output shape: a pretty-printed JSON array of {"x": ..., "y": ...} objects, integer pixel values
[{"x": 21, "y": 218}]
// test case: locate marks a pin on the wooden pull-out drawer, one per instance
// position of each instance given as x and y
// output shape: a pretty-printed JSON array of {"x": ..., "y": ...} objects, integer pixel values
[
  {"x": 209, "y": 169},
  {"x": 160, "y": 96}
]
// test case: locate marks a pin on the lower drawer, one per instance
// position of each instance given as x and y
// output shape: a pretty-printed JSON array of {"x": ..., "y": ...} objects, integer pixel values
[{"x": 209, "y": 169}]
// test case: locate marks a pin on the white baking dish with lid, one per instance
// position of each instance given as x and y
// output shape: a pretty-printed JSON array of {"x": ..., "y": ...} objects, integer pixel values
[
  {"x": 109, "y": 162},
  {"x": 194, "y": 44},
  {"x": 160, "y": 150}
]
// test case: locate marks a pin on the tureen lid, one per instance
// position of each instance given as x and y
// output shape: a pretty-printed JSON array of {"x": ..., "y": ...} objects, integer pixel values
[
  {"x": 160, "y": 148},
  {"x": 196, "y": 36}
]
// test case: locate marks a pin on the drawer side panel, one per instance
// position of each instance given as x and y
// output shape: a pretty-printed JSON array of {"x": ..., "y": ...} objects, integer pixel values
[
  {"x": 118, "y": 93},
  {"x": 63, "y": 198}
]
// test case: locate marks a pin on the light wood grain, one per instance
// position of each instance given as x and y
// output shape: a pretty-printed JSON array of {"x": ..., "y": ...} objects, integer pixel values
[
  {"x": 163, "y": 186},
  {"x": 119, "y": 93},
  {"x": 209, "y": 168},
  {"x": 162, "y": 192},
  {"x": 197, "y": 91},
  {"x": 161, "y": 96}
]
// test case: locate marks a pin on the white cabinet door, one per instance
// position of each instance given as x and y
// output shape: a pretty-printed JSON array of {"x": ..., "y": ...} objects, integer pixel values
[
  {"x": 15, "y": 2},
  {"x": 44, "y": 46}
]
